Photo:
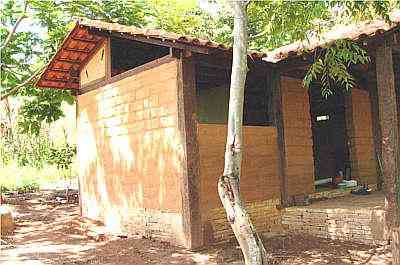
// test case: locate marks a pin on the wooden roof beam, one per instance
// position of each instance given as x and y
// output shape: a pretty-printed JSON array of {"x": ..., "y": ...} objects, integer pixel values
[
  {"x": 65, "y": 60},
  {"x": 60, "y": 70},
  {"x": 84, "y": 40},
  {"x": 59, "y": 85},
  {"x": 149, "y": 40},
  {"x": 62, "y": 80},
  {"x": 76, "y": 50}
]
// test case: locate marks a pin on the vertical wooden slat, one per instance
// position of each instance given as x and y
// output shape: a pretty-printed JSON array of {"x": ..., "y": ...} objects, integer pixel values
[
  {"x": 275, "y": 79},
  {"x": 187, "y": 123},
  {"x": 376, "y": 127},
  {"x": 80, "y": 190},
  {"x": 351, "y": 136},
  {"x": 108, "y": 58}
]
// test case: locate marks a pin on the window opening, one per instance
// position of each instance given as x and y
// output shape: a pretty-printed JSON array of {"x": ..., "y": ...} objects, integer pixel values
[
  {"x": 212, "y": 83},
  {"x": 128, "y": 54}
]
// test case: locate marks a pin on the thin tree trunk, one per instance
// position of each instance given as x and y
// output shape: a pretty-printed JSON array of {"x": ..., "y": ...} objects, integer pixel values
[
  {"x": 228, "y": 185},
  {"x": 24, "y": 83},
  {"x": 390, "y": 150},
  {"x": 14, "y": 28}
]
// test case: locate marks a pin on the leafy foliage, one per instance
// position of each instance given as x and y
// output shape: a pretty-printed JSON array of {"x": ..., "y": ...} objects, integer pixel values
[
  {"x": 331, "y": 67},
  {"x": 35, "y": 150},
  {"x": 28, "y": 186},
  {"x": 29, "y": 50},
  {"x": 272, "y": 23},
  {"x": 24, "y": 149},
  {"x": 62, "y": 157}
]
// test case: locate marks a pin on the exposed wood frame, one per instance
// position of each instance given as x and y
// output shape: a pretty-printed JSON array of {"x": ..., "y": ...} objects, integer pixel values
[
  {"x": 134, "y": 71},
  {"x": 84, "y": 40},
  {"x": 75, "y": 86},
  {"x": 165, "y": 43},
  {"x": 108, "y": 58},
  {"x": 60, "y": 80},
  {"x": 187, "y": 123},
  {"x": 275, "y": 78},
  {"x": 376, "y": 127},
  {"x": 93, "y": 83},
  {"x": 351, "y": 137},
  {"x": 61, "y": 70},
  {"x": 65, "y": 60},
  {"x": 76, "y": 50}
]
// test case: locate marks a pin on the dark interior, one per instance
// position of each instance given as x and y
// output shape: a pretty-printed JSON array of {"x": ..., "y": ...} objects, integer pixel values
[
  {"x": 330, "y": 143},
  {"x": 128, "y": 54},
  {"x": 257, "y": 99}
]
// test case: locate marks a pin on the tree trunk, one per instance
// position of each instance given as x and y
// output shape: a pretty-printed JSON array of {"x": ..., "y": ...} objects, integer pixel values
[
  {"x": 390, "y": 151},
  {"x": 228, "y": 185}
]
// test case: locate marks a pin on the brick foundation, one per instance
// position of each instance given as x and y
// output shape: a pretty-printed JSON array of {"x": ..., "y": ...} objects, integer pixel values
[
  {"x": 264, "y": 215},
  {"x": 356, "y": 225},
  {"x": 155, "y": 224}
]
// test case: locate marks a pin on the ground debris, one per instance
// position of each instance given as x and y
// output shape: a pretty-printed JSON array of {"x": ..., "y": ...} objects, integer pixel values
[{"x": 54, "y": 234}]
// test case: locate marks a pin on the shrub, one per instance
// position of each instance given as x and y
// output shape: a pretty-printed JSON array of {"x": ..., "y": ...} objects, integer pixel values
[
  {"x": 16, "y": 178},
  {"x": 62, "y": 156},
  {"x": 28, "y": 187}
]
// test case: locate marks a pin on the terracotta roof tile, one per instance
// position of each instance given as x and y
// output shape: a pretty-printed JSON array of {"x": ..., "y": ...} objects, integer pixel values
[
  {"x": 77, "y": 47},
  {"x": 359, "y": 31}
]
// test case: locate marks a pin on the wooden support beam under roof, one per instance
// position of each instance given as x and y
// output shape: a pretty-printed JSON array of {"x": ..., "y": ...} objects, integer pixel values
[
  {"x": 62, "y": 80},
  {"x": 84, "y": 40},
  {"x": 149, "y": 40},
  {"x": 76, "y": 50},
  {"x": 65, "y": 60},
  {"x": 60, "y": 70}
]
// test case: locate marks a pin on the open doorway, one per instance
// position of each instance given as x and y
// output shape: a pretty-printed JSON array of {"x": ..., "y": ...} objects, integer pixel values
[{"x": 330, "y": 141}]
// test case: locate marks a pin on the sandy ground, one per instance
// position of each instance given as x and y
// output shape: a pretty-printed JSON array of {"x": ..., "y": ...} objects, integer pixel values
[{"x": 45, "y": 235}]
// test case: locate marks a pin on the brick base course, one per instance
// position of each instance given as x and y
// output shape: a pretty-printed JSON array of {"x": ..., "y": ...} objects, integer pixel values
[
  {"x": 356, "y": 225},
  {"x": 264, "y": 215}
]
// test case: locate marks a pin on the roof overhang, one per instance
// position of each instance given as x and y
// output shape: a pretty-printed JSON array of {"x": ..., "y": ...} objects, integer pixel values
[
  {"x": 63, "y": 70},
  {"x": 83, "y": 40},
  {"x": 366, "y": 33}
]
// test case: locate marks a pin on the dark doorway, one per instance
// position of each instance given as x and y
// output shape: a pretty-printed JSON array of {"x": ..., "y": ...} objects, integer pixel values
[{"x": 328, "y": 124}]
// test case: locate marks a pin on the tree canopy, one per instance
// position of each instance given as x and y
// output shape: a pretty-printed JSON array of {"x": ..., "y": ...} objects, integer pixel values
[{"x": 32, "y": 30}]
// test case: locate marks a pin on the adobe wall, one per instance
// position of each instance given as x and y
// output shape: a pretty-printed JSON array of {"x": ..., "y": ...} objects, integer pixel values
[
  {"x": 298, "y": 137},
  {"x": 130, "y": 154},
  {"x": 95, "y": 68},
  {"x": 361, "y": 139},
  {"x": 259, "y": 181}
]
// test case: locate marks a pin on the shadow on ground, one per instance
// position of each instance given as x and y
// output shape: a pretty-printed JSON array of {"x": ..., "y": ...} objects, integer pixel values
[{"x": 45, "y": 235}]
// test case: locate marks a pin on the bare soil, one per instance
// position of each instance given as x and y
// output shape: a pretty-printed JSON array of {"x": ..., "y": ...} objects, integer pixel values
[{"x": 45, "y": 234}]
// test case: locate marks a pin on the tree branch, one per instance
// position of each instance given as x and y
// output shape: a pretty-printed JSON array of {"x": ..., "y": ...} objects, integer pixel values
[
  {"x": 26, "y": 82},
  {"x": 12, "y": 32}
]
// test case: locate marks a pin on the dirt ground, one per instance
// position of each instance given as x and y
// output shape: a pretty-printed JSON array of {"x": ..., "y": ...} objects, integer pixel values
[{"x": 45, "y": 234}]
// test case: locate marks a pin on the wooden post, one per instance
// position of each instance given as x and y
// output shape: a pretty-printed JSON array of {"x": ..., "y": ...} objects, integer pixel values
[
  {"x": 376, "y": 127},
  {"x": 389, "y": 127},
  {"x": 187, "y": 123},
  {"x": 351, "y": 138},
  {"x": 107, "y": 55},
  {"x": 275, "y": 79}
]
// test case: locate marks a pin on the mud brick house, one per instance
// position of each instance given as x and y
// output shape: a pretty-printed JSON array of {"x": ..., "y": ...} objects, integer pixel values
[{"x": 151, "y": 118}]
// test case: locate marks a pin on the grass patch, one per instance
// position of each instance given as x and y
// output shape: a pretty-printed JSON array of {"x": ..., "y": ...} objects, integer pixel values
[{"x": 24, "y": 179}]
